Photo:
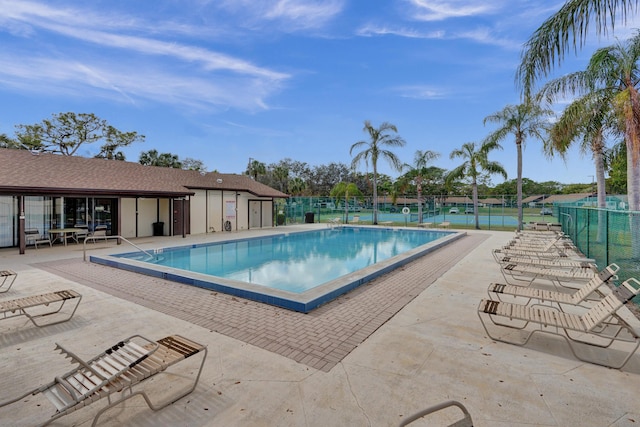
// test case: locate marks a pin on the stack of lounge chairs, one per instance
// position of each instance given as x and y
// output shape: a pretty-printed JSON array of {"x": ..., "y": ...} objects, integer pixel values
[{"x": 551, "y": 288}]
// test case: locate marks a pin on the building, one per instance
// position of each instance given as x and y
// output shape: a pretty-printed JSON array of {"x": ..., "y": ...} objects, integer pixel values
[{"x": 51, "y": 192}]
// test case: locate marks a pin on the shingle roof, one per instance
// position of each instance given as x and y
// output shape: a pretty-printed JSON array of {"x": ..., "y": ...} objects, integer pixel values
[{"x": 24, "y": 172}]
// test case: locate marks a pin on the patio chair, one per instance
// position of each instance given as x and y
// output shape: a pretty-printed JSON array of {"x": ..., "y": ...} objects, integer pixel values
[
  {"x": 355, "y": 220},
  {"x": 117, "y": 374},
  {"x": 36, "y": 307},
  {"x": 82, "y": 232},
  {"x": 465, "y": 421},
  {"x": 335, "y": 221},
  {"x": 99, "y": 231},
  {"x": 8, "y": 277},
  {"x": 33, "y": 237},
  {"x": 542, "y": 296},
  {"x": 597, "y": 327}
]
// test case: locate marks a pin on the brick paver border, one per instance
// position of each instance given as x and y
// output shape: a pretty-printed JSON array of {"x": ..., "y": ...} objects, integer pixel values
[{"x": 320, "y": 339}]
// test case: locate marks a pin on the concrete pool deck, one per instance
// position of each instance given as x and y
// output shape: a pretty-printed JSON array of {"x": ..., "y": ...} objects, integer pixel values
[{"x": 407, "y": 341}]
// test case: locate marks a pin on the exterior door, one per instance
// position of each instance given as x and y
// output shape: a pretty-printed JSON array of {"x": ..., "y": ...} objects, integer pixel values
[{"x": 181, "y": 217}]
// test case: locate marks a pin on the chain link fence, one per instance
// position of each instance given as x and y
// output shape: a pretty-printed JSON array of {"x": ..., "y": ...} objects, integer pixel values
[
  {"x": 608, "y": 236},
  {"x": 494, "y": 212}
]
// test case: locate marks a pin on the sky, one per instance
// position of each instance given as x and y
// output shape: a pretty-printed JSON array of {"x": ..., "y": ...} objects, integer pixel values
[{"x": 226, "y": 81}]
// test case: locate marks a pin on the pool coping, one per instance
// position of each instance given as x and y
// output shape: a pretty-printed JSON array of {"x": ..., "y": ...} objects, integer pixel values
[{"x": 302, "y": 302}]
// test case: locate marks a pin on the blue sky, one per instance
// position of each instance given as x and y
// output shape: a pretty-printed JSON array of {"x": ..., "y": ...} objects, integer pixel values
[{"x": 224, "y": 81}]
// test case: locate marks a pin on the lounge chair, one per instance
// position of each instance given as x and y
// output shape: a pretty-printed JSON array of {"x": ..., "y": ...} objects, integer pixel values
[
  {"x": 355, "y": 220},
  {"x": 36, "y": 307},
  {"x": 444, "y": 224},
  {"x": 335, "y": 221},
  {"x": 552, "y": 253},
  {"x": 542, "y": 296},
  {"x": 116, "y": 374},
  {"x": 465, "y": 421},
  {"x": 503, "y": 259},
  {"x": 526, "y": 274},
  {"x": 599, "y": 326},
  {"x": 8, "y": 277}
]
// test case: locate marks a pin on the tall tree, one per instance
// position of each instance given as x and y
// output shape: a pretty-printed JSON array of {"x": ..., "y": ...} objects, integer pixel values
[
  {"x": 255, "y": 169},
  {"x": 192, "y": 164},
  {"x": 281, "y": 177},
  {"x": 567, "y": 30},
  {"x": 166, "y": 160},
  {"x": 476, "y": 163},
  {"x": 419, "y": 172},
  {"x": 523, "y": 120},
  {"x": 346, "y": 190},
  {"x": 65, "y": 133},
  {"x": 590, "y": 118},
  {"x": 374, "y": 149}
]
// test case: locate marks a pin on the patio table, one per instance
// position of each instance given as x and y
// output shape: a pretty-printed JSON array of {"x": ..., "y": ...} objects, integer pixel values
[{"x": 64, "y": 233}]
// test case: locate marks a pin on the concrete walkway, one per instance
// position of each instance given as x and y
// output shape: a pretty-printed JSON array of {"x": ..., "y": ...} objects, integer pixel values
[{"x": 427, "y": 347}]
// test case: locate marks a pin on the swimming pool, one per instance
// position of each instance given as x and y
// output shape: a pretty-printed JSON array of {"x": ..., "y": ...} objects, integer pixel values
[{"x": 299, "y": 270}]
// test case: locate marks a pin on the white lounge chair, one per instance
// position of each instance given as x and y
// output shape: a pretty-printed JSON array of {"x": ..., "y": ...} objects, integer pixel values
[
  {"x": 526, "y": 274},
  {"x": 503, "y": 259},
  {"x": 544, "y": 296},
  {"x": 47, "y": 306},
  {"x": 115, "y": 374},
  {"x": 597, "y": 327},
  {"x": 8, "y": 277},
  {"x": 355, "y": 220}
]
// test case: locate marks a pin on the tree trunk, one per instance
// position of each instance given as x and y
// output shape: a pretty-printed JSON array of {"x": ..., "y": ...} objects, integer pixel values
[
  {"x": 475, "y": 204},
  {"x": 375, "y": 194},
  {"x": 598, "y": 157},
  {"x": 519, "y": 182}
]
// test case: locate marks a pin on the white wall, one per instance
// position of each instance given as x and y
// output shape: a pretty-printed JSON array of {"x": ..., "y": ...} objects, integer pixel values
[
  {"x": 198, "y": 207},
  {"x": 127, "y": 218}
]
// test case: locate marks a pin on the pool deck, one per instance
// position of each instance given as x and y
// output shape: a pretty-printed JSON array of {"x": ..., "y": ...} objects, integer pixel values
[{"x": 406, "y": 341}]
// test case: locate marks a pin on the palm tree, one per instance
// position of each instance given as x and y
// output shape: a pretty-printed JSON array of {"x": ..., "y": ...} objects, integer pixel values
[
  {"x": 379, "y": 138},
  {"x": 281, "y": 176},
  {"x": 256, "y": 168},
  {"x": 476, "y": 162},
  {"x": 524, "y": 120},
  {"x": 591, "y": 117},
  {"x": 567, "y": 30},
  {"x": 297, "y": 186},
  {"x": 419, "y": 172},
  {"x": 344, "y": 189}
]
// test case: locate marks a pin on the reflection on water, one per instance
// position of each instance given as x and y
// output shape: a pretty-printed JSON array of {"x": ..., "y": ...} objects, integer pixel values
[{"x": 297, "y": 262}]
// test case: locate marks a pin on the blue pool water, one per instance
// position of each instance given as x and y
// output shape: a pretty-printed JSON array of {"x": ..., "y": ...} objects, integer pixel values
[{"x": 289, "y": 266}]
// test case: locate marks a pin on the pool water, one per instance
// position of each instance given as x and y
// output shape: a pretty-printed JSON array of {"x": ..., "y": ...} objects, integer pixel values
[
  {"x": 293, "y": 262},
  {"x": 295, "y": 270}
]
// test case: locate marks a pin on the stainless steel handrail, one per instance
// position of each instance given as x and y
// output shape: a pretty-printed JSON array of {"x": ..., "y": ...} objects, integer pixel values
[{"x": 84, "y": 244}]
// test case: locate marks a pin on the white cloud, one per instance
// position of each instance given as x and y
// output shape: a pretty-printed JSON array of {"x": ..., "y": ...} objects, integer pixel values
[
  {"x": 438, "y": 10},
  {"x": 422, "y": 92},
  {"x": 132, "y": 66},
  {"x": 292, "y": 15},
  {"x": 479, "y": 35},
  {"x": 130, "y": 83}
]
